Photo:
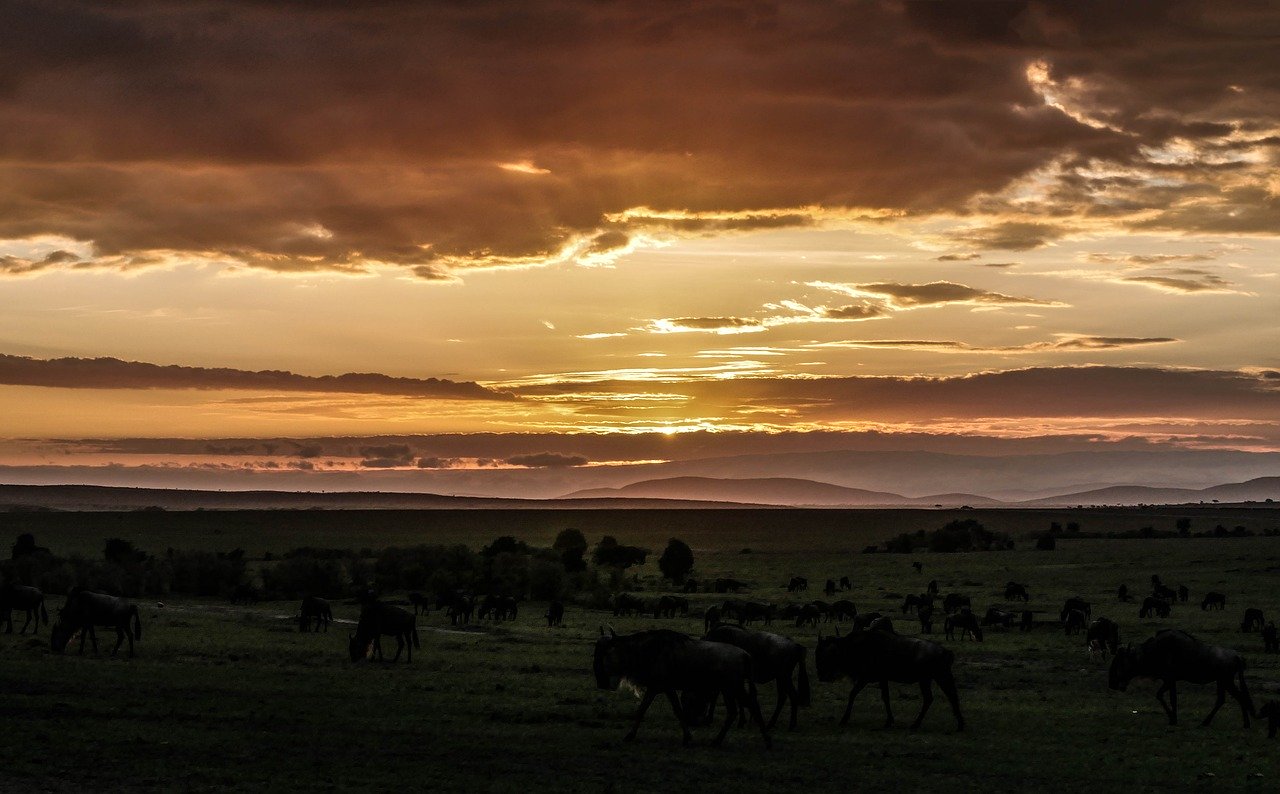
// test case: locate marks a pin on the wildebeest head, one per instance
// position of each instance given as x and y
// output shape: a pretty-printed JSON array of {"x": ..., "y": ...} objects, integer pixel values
[
  {"x": 359, "y": 648},
  {"x": 826, "y": 659},
  {"x": 1123, "y": 666},
  {"x": 607, "y": 665}
]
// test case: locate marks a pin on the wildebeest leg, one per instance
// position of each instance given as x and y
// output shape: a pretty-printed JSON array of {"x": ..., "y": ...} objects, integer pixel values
[
  {"x": 926, "y": 700},
  {"x": 1240, "y": 698},
  {"x": 399, "y": 647},
  {"x": 119, "y": 640},
  {"x": 84, "y": 635},
  {"x": 649, "y": 695},
  {"x": 1171, "y": 688},
  {"x": 947, "y": 683},
  {"x": 28, "y": 623},
  {"x": 884, "y": 695},
  {"x": 853, "y": 693},
  {"x": 731, "y": 706},
  {"x": 1222, "y": 698},
  {"x": 753, "y": 705},
  {"x": 684, "y": 725},
  {"x": 784, "y": 683}
]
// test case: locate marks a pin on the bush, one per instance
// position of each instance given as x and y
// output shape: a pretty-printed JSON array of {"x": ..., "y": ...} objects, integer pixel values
[
  {"x": 572, "y": 546},
  {"x": 610, "y": 553},
  {"x": 676, "y": 561}
]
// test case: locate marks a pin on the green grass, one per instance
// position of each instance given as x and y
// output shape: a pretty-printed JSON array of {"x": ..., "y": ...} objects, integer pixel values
[{"x": 233, "y": 697}]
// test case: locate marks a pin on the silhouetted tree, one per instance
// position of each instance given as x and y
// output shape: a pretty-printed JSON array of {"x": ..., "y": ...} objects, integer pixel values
[
  {"x": 572, "y": 545},
  {"x": 676, "y": 561},
  {"x": 1184, "y": 526},
  {"x": 609, "y": 552},
  {"x": 122, "y": 552},
  {"x": 26, "y": 544}
]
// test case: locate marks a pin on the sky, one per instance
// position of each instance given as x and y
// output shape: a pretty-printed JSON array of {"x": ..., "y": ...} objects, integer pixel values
[{"x": 415, "y": 237}]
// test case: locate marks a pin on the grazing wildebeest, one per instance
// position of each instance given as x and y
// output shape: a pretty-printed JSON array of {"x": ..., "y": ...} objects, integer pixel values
[
  {"x": 555, "y": 614},
  {"x": 809, "y": 614},
  {"x": 1075, "y": 603},
  {"x": 690, "y": 586},
  {"x": 663, "y": 662},
  {"x": 28, "y": 599},
  {"x": 823, "y": 608},
  {"x": 1028, "y": 621},
  {"x": 314, "y": 613},
  {"x": 1164, "y": 593},
  {"x": 244, "y": 594},
  {"x": 378, "y": 620},
  {"x": 844, "y": 610},
  {"x": 1016, "y": 592},
  {"x": 845, "y": 584},
  {"x": 1253, "y": 620},
  {"x": 84, "y": 610},
  {"x": 1183, "y": 593},
  {"x": 1270, "y": 639},
  {"x": 919, "y": 566},
  {"x": 751, "y": 611},
  {"x": 1172, "y": 656},
  {"x": 880, "y": 657},
  {"x": 1074, "y": 622},
  {"x": 1123, "y": 593},
  {"x": 1271, "y": 710},
  {"x": 998, "y": 617},
  {"x": 967, "y": 622},
  {"x": 1154, "y": 606},
  {"x": 926, "y": 620},
  {"x": 829, "y": 589},
  {"x": 1102, "y": 636},
  {"x": 1214, "y": 601},
  {"x": 420, "y": 603},
  {"x": 625, "y": 604},
  {"x": 916, "y": 602},
  {"x": 711, "y": 618},
  {"x": 668, "y": 606},
  {"x": 459, "y": 605},
  {"x": 773, "y": 658},
  {"x": 865, "y": 620},
  {"x": 729, "y": 586},
  {"x": 954, "y": 602},
  {"x": 797, "y": 583},
  {"x": 932, "y": 587}
]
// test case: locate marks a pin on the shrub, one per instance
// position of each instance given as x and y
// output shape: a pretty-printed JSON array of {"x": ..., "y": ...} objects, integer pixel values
[{"x": 676, "y": 561}]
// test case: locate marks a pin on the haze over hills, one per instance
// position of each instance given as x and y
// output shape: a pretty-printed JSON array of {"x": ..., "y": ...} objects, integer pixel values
[
  {"x": 1260, "y": 489},
  {"x": 774, "y": 491}
]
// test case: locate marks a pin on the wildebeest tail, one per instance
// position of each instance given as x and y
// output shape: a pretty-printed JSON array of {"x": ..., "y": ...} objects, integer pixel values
[
  {"x": 137, "y": 622},
  {"x": 802, "y": 695},
  {"x": 1244, "y": 690},
  {"x": 44, "y": 613},
  {"x": 416, "y": 642}
]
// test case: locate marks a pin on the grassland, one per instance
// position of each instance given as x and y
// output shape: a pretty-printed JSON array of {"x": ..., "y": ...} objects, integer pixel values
[{"x": 225, "y": 696}]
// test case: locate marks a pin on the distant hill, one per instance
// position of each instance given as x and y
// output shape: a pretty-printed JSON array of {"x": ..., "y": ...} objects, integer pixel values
[
  {"x": 1255, "y": 490},
  {"x": 788, "y": 491}
]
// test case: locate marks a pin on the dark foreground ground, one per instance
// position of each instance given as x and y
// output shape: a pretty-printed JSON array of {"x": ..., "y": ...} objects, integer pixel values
[{"x": 224, "y": 696}]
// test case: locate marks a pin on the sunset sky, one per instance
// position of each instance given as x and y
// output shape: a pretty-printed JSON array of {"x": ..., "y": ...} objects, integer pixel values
[{"x": 600, "y": 233}]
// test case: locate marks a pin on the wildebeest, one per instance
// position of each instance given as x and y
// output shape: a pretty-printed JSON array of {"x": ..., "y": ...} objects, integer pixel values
[
  {"x": 916, "y": 602},
  {"x": 1253, "y": 620},
  {"x": 711, "y": 618},
  {"x": 1183, "y": 593},
  {"x": 809, "y": 615},
  {"x": 823, "y": 608},
  {"x": 753, "y": 611},
  {"x": 926, "y": 620},
  {"x": 845, "y": 584},
  {"x": 729, "y": 586},
  {"x": 506, "y": 608},
  {"x": 1075, "y": 602},
  {"x": 1027, "y": 621},
  {"x": 773, "y": 658},
  {"x": 85, "y": 610},
  {"x": 1172, "y": 656},
  {"x": 379, "y": 620},
  {"x": 28, "y": 599},
  {"x": 865, "y": 620},
  {"x": 966, "y": 621},
  {"x": 1164, "y": 593},
  {"x": 1270, "y": 639},
  {"x": 1123, "y": 593},
  {"x": 1271, "y": 710},
  {"x": 420, "y": 603},
  {"x": 555, "y": 614},
  {"x": 1214, "y": 601},
  {"x": 998, "y": 617},
  {"x": 797, "y": 583},
  {"x": 1016, "y": 592},
  {"x": 880, "y": 657},
  {"x": 844, "y": 610},
  {"x": 829, "y": 589},
  {"x": 314, "y": 613},
  {"x": 663, "y": 662},
  {"x": 625, "y": 604},
  {"x": 1074, "y": 622},
  {"x": 932, "y": 587},
  {"x": 668, "y": 606},
  {"x": 1103, "y": 636},
  {"x": 954, "y": 602},
  {"x": 459, "y": 605},
  {"x": 919, "y": 566},
  {"x": 1154, "y": 606}
]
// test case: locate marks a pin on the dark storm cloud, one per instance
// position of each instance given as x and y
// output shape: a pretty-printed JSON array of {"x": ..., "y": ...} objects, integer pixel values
[
  {"x": 112, "y": 373},
  {"x": 546, "y": 460}
]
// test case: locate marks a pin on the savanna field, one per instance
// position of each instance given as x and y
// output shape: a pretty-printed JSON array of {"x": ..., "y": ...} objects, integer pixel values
[{"x": 224, "y": 696}]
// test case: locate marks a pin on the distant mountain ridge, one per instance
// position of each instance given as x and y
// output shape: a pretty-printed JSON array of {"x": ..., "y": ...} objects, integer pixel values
[{"x": 788, "y": 491}]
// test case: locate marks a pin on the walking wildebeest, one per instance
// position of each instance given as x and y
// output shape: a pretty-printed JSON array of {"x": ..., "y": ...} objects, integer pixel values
[
  {"x": 1123, "y": 593},
  {"x": 28, "y": 599},
  {"x": 729, "y": 586},
  {"x": 797, "y": 583},
  {"x": 829, "y": 589},
  {"x": 880, "y": 657},
  {"x": 625, "y": 604},
  {"x": 420, "y": 603},
  {"x": 663, "y": 662},
  {"x": 842, "y": 610},
  {"x": 954, "y": 602},
  {"x": 314, "y": 613},
  {"x": 1016, "y": 592},
  {"x": 84, "y": 610},
  {"x": 1074, "y": 623},
  {"x": 966, "y": 621},
  {"x": 1102, "y": 636},
  {"x": 1271, "y": 710},
  {"x": 1172, "y": 656},
  {"x": 378, "y": 620},
  {"x": 1270, "y": 639},
  {"x": 1214, "y": 601},
  {"x": 1253, "y": 620},
  {"x": 1183, "y": 593},
  {"x": 998, "y": 617},
  {"x": 926, "y": 620},
  {"x": 1154, "y": 606},
  {"x": 845, "y": 584},
  {"x": 555, "y": 614},
  {"x": 1075, "y": 603},
  {"x": 668, "y": 606},
  {"x": 773, "y": 658}
]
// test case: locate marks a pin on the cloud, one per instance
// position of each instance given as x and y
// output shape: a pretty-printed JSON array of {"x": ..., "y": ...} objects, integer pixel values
[
  {"x": 936, "y": 293},
  {"x": 1010, "y": 235},
  {"x": 958, "y": 257},
  {"x": 1067, "y": 342},
  {"x": 715, "y": 325},
  {"x": 437, "y": 463},
  {"x": 546, "y": 460},
  {"x": 856, "y": 311},
  {"x": 1187, "y": 281},
  {"x": 112, "y": 373}
]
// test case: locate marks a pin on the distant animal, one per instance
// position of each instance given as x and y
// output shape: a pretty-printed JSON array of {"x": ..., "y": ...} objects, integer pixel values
[
  {"x": 1123, "y": 593},
  {"x": 1270, "y": 639},
  {"x": 505, "y": 608},
  {"x": 809, "y": 615},
  {"x": 86, "y": 610},
  {"x": 1028, "y": 620},
  {"x": 662, "y": 662},
  {"x": 314, "y": 614},
  {"x": 876, "y": 656},
  {"x": 1075, "y": 603},
  {"x": 244, "y": 594},
  {"x": 1172, "y": 656},
  {"x": 823, "y": 607},
  {"x": 690, "y": 586},
  {"x": 1016, "y": 592},
  {"x": 773, "y": 658},
  {"x": 967, "y": 622},
  {"x": 1164, "y": 593},
  {"x": 998, "y": 617},
  {"x": 555, "y": 614},
  {"x": 625, "y": 605},
  {"x": 797, "y": 583},
  {"x": 845, "y": 584},
  {"x": 1103, "y": 636},
  {"x": 1271, "y": 710},
  {"x": 1214, "y": 601},
  {"x": 729, "y": 586},
  {"x": 668, "y": 606},
  {"x": 459, "y": 606},
  {"x": 932, "y": 587},
  {"x": 829, "y": 589},
  {"x": 844, "y": 610},
  {"x": 919, "y": 566},
  {"x": 29, "y": 600},
  {"x": 1074, "y": 623},
  {"x": 1253, "y": 620},
  {"x": 1154, "y": 606},
  {"x": 420, "y": 603},
  {"x": 914, "y": 602},
  {"x": 711, "y": 618},
  {"x": 1155, "y": 580},
  {"x": 954, "y": 602},
  {"x": 926, "y": 620},
  {"x": 379, "y": 620},
  {"x": 1183, "y": 593}
]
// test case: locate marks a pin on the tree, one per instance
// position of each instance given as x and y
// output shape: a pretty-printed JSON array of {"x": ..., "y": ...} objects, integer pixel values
[
  {"x": 122, "y": 552},
  {"x": 26, "y": 544},
  {"x": 1184, "y": 526},
  {"x": 572, "y": 545},
  {"x": 609, "y": 552},
  {"x": 504, "y": 545},
  {"x": 676, "y": 561}
]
